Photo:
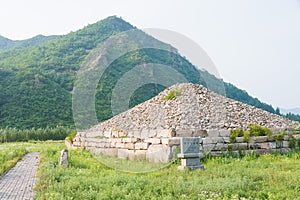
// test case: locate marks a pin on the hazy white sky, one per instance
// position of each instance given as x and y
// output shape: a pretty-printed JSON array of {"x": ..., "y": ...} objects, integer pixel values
[{"x": 255, "y": 44}]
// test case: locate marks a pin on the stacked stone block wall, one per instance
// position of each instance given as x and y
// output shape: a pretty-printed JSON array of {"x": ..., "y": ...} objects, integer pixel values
[{"x": 160, "y": 145}]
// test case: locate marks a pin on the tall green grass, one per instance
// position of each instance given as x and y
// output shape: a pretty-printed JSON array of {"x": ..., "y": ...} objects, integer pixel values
[
  {"x": 11, "y": 153},
  {"x": 250, "y": 177},
  {"x": 9, "y": 156}
]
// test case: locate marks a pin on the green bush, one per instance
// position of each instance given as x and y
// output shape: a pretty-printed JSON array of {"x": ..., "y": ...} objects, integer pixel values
[
  {"x": 235, "y": 133},
  {"x": 246, "y": 136},
  {"x": 71, "y": 136},
  {"x": 279, "y": 136},
  {"x": 256, "y": 130},
  {"x": 292, "y": 143},
  {"x": 172, "y": 94}
]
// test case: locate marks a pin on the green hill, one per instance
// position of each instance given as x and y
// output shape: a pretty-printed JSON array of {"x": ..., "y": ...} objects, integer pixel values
[
  {"x": 7, "y": 44},
  {"x": 37, "y": 76}
]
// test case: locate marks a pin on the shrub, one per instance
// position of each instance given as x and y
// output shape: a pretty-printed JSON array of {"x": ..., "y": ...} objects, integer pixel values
[
  {"x": 256, "y": 130},
  {"x": 246, "y": 136},
  {"x": 235, "y": 133},
  {"x": 279, "y": 136},
  {"x": 71, "y": 136},
  {"x": 292, "y": 143},
  {"x": 172, "y": 94}
]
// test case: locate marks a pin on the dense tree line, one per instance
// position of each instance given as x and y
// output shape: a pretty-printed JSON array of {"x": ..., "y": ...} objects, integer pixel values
[
  {"x": 25, "y": 135},
  {"x": 292, "y": 116}
]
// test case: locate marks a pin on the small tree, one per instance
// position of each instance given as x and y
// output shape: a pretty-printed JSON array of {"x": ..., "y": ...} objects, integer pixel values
[{"x": 277, "y": 111}]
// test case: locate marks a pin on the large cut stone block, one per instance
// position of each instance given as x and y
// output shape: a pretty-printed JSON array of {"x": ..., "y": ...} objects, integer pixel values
[
  {"x": 120, "y": 145},
  {"x": 91, "y": 144},
  {"x": 130, "y": 154},
  {"x": 184, "y": 133},
  {"x": 152, "y": 133},
  {"x": 98, "y": 151},
  {"x": 201, "y": 133},
  {"x": 221, "y": 147},
  {"x": 123, "y": 153},
  {"x": 213, "y": 133},
  {"x": 224, "y": 133},
  {"x": 140, "y": 154},
  {"x": 259, "y": 139},
  {"x": 137, "y": 133},
  {"x": 239, "y": 139},
  {"x": 107, "y": 151},
  {"x": 129, "y": 146},
  {"x": 272, "y": 145},
  {"x": 114, "y": 134},
  {"x": 226, "y": 140},
  {"x": 159, "y": 153},
  {"x": 240, "y": 146},
  {"x": 285, "y": 144},
  {"x": 213, "y": 140},
  {"x": 163, "y": 133},
  {"x": 77, "y": 144},
  {"x": 264, "y": 145},
  {"x": 107, "y": 134},
  {"x": 127, "y": 140},
  {"x": 98, "y": 140},
  {"x": 111, "y": 151},
  {"x": 141, "y": 145},
  {"x": 153, "y": 140},
  {"x": 144, "y": 133},
  {"x": 175, "y": 141},
  {"x": 93, "y": 134}
]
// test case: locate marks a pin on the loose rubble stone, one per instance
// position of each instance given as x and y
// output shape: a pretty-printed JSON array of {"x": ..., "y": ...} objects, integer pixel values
[{"x": 152, "y": 129}]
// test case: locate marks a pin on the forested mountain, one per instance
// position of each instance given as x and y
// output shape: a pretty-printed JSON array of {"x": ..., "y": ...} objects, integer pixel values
[
  {"x": 7, "y": 44},
  {"x": 37, "y": 75}
]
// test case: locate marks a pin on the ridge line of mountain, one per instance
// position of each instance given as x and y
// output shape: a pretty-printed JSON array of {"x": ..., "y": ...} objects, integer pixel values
[{"x": 43, "y": 74}]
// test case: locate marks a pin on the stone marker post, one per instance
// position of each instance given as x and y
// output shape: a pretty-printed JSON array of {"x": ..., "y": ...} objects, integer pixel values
[
  {"x": 190, "y": 153},
  {"x": 63, "y": 158}
]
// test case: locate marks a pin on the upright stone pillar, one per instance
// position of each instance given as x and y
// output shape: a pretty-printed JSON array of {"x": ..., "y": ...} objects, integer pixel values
[{"x": 63, "y": 158}]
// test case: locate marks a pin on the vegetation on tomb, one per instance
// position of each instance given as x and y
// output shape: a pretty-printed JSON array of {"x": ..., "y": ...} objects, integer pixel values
[
  {"x": 254, "y": 130},
  {"x": 37, "y": 76},
  {"x": 71, "y": 136},
  {"x": 173, "y": 94},
  {"x": 234, "y": 133}
]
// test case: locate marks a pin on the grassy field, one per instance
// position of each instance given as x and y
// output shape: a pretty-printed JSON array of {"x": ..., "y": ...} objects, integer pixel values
[
  {"x": 11, "y": 153},
  {"x": 250, "y": 177}
]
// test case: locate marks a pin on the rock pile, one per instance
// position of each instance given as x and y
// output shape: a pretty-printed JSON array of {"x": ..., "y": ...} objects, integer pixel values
[
  {"x": 195, "y": 107},
  {"x": 183, "y": 110}
]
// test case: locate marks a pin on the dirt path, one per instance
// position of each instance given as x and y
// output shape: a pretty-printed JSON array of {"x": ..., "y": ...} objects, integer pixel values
[{"x": 18, "y": 183}]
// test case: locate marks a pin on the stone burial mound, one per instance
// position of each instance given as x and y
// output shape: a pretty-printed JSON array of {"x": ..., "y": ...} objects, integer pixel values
[{"x": 152, "y": 130}]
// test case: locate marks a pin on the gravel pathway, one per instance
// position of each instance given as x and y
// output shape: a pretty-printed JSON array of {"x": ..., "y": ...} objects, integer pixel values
[{"x": 19, "y": 182}]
